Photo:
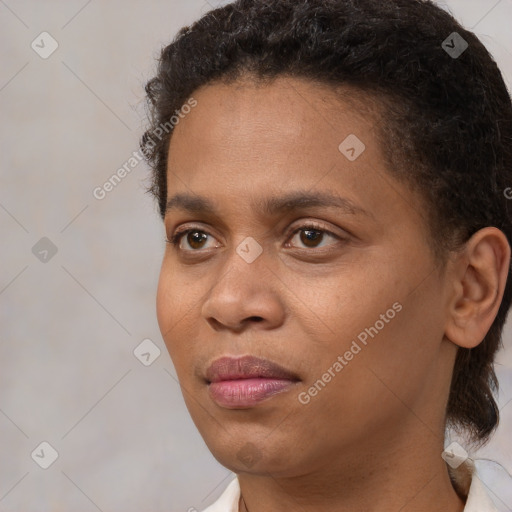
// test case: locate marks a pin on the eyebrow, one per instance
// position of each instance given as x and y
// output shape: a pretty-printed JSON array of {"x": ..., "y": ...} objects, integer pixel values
[{"x": 276, "y": 205}]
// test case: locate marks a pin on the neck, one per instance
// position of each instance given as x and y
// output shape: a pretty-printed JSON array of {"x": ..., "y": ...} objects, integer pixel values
[{"x": 410, "y": 477}]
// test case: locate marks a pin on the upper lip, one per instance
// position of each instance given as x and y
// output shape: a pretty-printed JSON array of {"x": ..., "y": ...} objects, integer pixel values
[{"x": 246, "y": 367}]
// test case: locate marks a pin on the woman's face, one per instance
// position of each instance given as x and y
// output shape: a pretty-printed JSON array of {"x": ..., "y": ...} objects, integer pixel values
[{"x": 346, "y": 297}]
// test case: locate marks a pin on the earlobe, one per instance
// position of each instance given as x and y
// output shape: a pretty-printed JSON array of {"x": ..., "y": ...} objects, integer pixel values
[{"x": 479, "y": 276}]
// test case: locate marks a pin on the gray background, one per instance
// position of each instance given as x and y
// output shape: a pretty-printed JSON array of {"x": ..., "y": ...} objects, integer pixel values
[{"x": 70, "y": 323}]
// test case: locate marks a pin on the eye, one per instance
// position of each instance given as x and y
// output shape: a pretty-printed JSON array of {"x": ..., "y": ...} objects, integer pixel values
[
  {"x": 312, "y": 234},
  {"x": 194, "y": 237}
]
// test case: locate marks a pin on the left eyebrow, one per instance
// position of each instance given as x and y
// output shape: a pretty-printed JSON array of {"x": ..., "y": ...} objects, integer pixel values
[
  {"x": 271, "y": 206},
  {"x": 304, "y": 200}
]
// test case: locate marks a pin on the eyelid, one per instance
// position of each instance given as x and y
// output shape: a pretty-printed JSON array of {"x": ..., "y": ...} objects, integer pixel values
[{"x": 178, "y": 235}]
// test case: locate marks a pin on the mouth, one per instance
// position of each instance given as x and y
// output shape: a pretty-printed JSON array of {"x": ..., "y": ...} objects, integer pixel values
[{"x": 243, "y": 382}]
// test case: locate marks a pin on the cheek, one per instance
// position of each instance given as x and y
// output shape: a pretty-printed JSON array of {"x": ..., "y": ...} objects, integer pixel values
[
  {"x": 177, "y": 303},
  {"x": 372, "y": 305},
  {"x": 162, "y": 303},
  {"x": 406, "y": 349},
  {"x": 171, "y": 306},
  {"x": 356, "y": 299}
]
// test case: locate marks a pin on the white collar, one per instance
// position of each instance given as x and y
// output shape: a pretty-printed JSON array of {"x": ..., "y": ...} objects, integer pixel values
[
  {"x": 465, "y": 479},
  {"x": 467, "y": 482}
]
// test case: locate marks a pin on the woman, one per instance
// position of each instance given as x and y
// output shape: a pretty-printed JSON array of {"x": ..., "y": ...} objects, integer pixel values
[{"x": 332, "y": 178}]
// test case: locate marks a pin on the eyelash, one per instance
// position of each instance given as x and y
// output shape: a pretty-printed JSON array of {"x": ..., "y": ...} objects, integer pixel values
[{"x": 176, "y": 238}]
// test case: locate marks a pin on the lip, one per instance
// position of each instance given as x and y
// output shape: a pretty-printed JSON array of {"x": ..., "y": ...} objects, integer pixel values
[{"x": 245, "y": 381}]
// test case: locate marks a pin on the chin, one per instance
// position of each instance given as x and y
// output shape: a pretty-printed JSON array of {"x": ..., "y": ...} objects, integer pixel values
[{"x": 243, "y": 455}]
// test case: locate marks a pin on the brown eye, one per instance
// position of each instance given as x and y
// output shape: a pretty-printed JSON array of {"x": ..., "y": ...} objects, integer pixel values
[
  {"x": 193, "y": 237},
  {"x": 312, "y": 236}
]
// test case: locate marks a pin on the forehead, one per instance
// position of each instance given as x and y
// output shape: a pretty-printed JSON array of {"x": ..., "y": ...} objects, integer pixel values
[
  {"x": 286, "y": 106},
  {"x": 288, "y": 128}
]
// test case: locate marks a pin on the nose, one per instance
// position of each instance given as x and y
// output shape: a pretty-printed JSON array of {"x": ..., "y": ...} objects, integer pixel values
[{"x": 244, "y": 295}]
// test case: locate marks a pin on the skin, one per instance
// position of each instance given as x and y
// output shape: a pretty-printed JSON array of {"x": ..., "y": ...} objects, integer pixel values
[{"x": 372, "y": 438}]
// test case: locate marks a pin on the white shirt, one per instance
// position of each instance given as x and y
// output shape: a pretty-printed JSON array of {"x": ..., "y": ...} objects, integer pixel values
[{"x": 465, "y": 478}]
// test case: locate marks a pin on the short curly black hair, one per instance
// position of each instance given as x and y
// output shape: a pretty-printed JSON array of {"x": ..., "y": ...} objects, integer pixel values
[{"x": 447, "y": 118}]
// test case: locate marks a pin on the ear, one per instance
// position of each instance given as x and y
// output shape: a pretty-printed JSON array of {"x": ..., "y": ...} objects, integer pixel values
[{"x": 479, "y": 275}]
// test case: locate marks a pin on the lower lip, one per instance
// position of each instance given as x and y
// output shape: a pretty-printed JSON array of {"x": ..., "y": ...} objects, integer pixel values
[{"x": 246, "y": 392}]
